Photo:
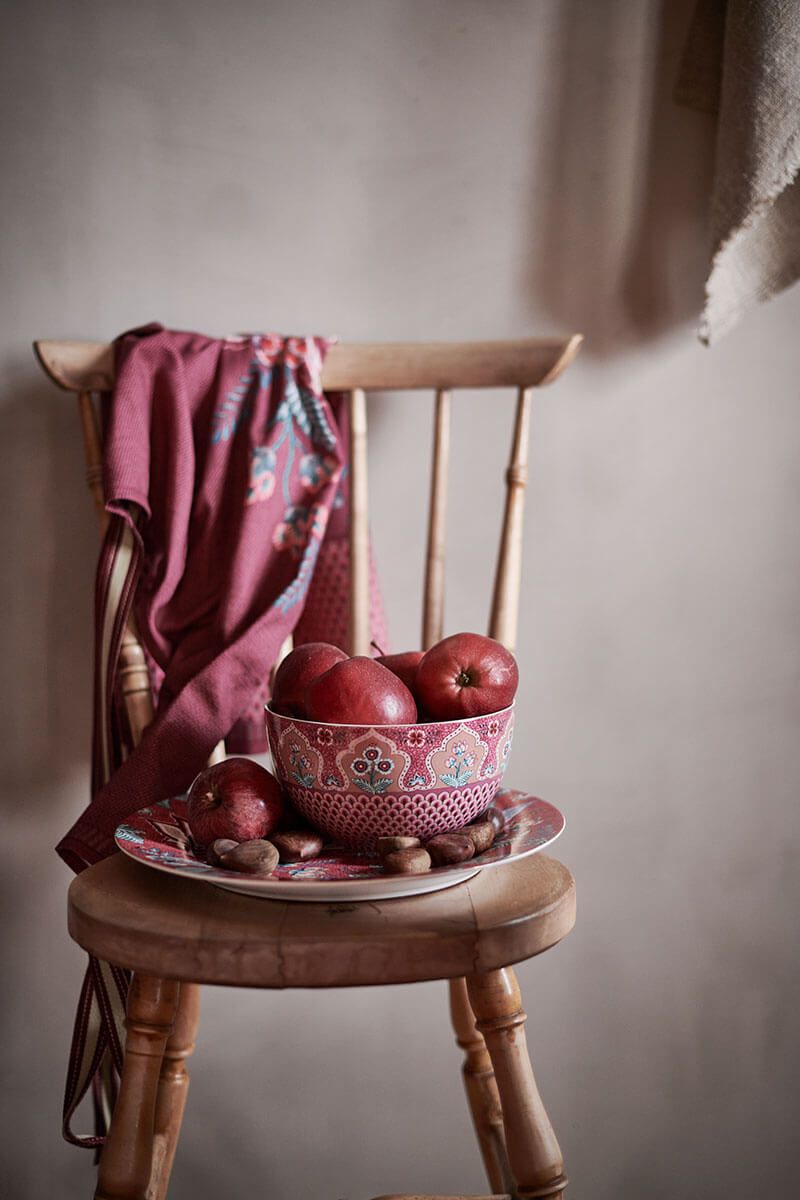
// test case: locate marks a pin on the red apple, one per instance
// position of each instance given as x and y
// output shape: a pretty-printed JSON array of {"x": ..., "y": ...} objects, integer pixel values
[
  {"x": 299, "y": 669},
  {"x": 359, "y": 691},
  {"x": 236, "y": 799},
  {"x": 404, "y": 666},
  {"x": 466, "y": 675}
]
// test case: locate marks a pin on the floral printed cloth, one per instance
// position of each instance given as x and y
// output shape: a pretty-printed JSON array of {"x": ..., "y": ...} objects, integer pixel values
[
  {"x": 223, "y": 465},
  {"x": 224, "y": 469}
]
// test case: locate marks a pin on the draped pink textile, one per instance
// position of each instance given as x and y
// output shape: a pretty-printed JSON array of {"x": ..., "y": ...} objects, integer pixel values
[
  {"x": 224, "y": 468},
  {"x": 224, "y": 473}
]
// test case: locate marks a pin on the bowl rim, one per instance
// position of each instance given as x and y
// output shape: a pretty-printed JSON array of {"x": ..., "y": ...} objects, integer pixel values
[{"x": 407, "y": 725}]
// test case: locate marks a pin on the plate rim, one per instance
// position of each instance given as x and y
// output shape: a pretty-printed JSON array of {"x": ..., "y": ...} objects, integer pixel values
[{"x": 344, "y": 885}]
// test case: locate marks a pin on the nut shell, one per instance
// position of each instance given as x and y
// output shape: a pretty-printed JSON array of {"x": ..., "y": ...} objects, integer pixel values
[
  {"x": 448, "y": 848},
  {"x": 415, "y": 860},
  {"x": 481, "y": 834},
  {"x": 387, "y": 845},
  {"x": 297, "y": 845},
  {"x": 257, "y": 857},
  {"x": 216, "y": 850}
]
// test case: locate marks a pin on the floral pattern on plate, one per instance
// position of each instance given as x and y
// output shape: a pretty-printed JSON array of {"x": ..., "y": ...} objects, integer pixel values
[{"x": 159, "y": 836}]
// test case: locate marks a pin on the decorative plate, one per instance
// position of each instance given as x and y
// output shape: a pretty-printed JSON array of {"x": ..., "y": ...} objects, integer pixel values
[{"x": 159, "y": 837}]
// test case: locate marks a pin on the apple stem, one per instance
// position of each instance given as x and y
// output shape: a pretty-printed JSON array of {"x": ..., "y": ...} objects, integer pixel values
[
  {"x": 208, "y": 800},
  {"x": 377, "y": 647}
]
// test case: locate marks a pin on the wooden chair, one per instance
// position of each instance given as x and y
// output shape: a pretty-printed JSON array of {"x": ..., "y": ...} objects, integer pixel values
[{"x": 175, "y": 936}]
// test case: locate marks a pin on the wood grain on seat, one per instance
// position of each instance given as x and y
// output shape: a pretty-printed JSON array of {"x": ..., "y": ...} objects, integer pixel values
[{"x": 179, "y": 929}]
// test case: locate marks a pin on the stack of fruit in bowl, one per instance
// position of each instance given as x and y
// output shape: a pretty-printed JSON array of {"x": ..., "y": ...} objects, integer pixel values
[{"x": 399, "y": 755}]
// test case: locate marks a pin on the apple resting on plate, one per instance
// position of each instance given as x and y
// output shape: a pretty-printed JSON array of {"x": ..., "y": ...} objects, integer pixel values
[{"x": 236, "y": 799}]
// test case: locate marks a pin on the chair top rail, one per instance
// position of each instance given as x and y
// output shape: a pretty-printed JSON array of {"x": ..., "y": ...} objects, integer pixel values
[{"x": 391, "y": 366}]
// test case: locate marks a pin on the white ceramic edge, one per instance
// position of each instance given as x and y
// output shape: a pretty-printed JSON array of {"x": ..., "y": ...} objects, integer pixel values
[
  {"x": 533, "y": 850},
  {"x": 317, "y": 891}
]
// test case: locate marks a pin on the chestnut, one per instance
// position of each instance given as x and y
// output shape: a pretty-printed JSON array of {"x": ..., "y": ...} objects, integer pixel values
[
  {"x": 412, "y": 861},
  {"x": 257, "y": 857},
  {"x": 447, "y": 848}
]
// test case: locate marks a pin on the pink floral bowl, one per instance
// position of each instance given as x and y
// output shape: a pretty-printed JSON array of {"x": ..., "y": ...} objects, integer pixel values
[{"x": 357, "y": 783}]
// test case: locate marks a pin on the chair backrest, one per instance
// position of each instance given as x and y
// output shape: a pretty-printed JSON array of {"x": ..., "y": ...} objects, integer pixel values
[{"x": 87, "y": 367}]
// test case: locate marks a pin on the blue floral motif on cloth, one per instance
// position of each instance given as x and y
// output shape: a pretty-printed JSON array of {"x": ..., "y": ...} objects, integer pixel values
[
  {"x": 232, "y": 410},
  {"x": 299, "y": 443},
  {"x": 297, "y": 589},
  {"x": 262, "y": 473}
]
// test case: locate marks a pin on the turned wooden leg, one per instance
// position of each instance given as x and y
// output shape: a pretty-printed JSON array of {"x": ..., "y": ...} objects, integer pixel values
[
  {"x": 173, "y": 1086},
  {"x": 481, "y": 1089},
  {"x": 533, "y": 1149},
  {"x": 127, "y": 1158}
]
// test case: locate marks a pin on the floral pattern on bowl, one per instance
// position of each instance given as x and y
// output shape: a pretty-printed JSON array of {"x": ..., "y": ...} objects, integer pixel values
[
  {"x": 459, "y": 758},
  {"x": 372, "y": 764},
  {"x": 357, "y": 783}
]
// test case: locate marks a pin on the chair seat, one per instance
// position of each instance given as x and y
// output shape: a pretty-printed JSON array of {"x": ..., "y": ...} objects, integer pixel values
[{"x": 175, "y": 928}]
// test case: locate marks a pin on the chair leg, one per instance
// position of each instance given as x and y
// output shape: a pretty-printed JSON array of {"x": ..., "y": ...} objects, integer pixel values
[
  {"x": 173, "y": 1086},
  {"x": 481, "y": 1089},
  {"x": 127, "y": 1158},
  {"x": 533, "y": 1150}
]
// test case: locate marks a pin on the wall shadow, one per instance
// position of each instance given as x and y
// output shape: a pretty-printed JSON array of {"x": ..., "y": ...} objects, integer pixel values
[
  {"x": 622, "y": 178},
  {"x": 48, "y": 537}
]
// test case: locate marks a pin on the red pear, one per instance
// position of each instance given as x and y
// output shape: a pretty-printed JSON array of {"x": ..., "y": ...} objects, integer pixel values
[
  {"x": 360, "y": 691},
  {"x": 297, "y": 671},
  {"x": 404, "y": 666}
]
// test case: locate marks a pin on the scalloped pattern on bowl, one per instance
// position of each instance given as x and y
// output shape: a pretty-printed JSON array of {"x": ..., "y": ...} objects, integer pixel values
[
  {"x": 422, "y": 814},
  {"x": 357, "y": 783}
]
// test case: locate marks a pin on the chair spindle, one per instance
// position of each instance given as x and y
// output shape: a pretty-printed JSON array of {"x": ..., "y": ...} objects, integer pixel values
[
  {"x": 505, "y": 599},
  {"x": 134, "y": 681},
  {"x": 359, "y": 632},
  {"x": 133, "y": 674},
  {"x": 433, "y": 604},
  {"x": 481, "y": 1085}
]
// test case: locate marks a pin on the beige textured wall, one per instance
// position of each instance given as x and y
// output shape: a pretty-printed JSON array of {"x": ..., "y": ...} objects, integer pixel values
[{"x": 446, "y": 170}]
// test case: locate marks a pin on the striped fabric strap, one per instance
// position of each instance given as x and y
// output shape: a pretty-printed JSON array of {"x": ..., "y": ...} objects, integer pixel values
[
  {"x": 95, "y": 1059},
  {"x": 98, "y": 1038},
  {"x": 117, "y": 573}
]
